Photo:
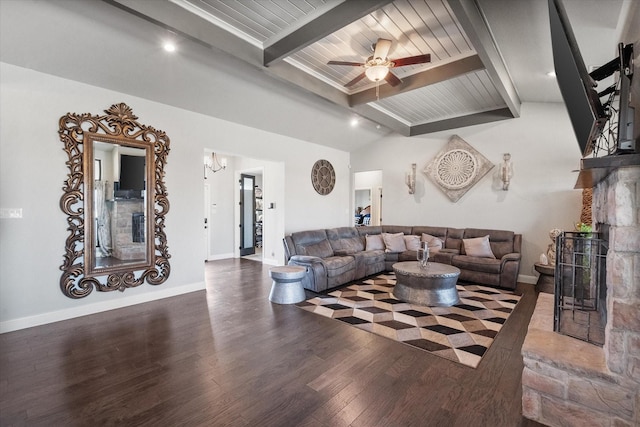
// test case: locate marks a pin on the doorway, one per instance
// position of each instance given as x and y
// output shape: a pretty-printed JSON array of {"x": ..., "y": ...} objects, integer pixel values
[
  {"x": 224, "y": 236},
  {"x": 363, "y": 206},
  {"x": 367, "y": 198},
  {"x": 207, "y": 219},
  {"x": 247, "y": 215}
]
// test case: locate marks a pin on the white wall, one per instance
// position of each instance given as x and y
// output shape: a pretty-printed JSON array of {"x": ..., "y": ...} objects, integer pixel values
[
  {"x": 222, "y": 187},
  {"x": 32, "y": 170},
  {"x": 541, "y": 195}
]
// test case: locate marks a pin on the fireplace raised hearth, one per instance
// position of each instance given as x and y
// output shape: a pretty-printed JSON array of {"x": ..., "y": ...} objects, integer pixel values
[{"x": 571, "y": 382}]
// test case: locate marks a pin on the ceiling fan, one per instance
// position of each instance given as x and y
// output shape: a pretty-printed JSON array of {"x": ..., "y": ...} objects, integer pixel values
[{"x": 378, "y": 67}]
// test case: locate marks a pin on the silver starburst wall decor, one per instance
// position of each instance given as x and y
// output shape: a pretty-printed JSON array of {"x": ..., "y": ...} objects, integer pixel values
[{"x": 457, "y": 168}]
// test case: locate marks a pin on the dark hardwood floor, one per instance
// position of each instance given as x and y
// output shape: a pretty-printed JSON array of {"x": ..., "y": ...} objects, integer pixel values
[{"x": 228, "y": 356}]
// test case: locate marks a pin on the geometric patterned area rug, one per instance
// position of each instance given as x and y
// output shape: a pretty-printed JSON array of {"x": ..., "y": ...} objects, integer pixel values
[{"x": 461, "y": 333}]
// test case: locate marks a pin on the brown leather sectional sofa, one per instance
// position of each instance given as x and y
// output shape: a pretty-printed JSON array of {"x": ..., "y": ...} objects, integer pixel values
[{"x": 336, "y": 256}]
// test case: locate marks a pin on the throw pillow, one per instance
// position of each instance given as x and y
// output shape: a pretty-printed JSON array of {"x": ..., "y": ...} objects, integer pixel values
[
  {"x": 433, "y": 243},
  {"x": 412, "y": 242},
  {"x": 394, "y": 242},
  {"x": 479, "y": 247},
  {"x": 374, "y": 242}
]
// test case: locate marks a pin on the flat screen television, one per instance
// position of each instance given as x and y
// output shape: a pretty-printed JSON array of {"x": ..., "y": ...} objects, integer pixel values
[
  {"x": 587, "y": 114},
  {"x": 132, "y": 177}
]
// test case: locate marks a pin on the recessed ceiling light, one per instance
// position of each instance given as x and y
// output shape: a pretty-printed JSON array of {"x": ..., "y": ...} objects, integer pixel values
[
  {"x": 551, "y": 74},
  {"x": 354, "y": 122},
  {"x": 169, "y": 47}
]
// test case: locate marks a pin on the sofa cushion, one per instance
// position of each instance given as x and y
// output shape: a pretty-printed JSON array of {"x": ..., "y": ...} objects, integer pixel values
[
  {"x": 407, "y": 256},
  {"x": 345, "y": 240},
  {"x": 412, "y": 242},
  {"x": 394, "y": 242},
  {"x": 454, "y": 238},
  {"x": 321, "y": 249},
  {"x": 369, "y": 229},
  {"x": 395, "y": 229},
  {"x": 368, "y": 263},
  {"x": 371, "y": 257},
  {"x": 478, "y": 246},
  {"x": 337, "y": 265},
  {"x": 312, "y": 243},
  {"x": 374, "y": 242},
  {"x": 445, "y": 256},
  {"x": 393, "y": 257},
  {"x": 472, "y": 263}
]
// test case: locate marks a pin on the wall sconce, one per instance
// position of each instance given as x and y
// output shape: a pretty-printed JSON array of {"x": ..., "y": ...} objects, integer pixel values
[
  {"x": 506, "y": 171},
  {"x": 213, "y": 164},
  {"x": 410, "y": 179}
]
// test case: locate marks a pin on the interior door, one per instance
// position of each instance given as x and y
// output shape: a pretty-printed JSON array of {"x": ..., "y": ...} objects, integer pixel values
[
  {"x": 247, "y": 215},
  {"x": 207, "y": 219}
]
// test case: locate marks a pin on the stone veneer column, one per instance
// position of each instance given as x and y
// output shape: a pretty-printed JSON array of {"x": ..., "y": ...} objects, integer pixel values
[
  {"x": 617, "y": 203},
  {"x": 568, "y": 382}
]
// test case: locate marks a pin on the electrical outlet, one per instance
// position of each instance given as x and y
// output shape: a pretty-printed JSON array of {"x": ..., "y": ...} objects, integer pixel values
[{"x": 10, "y": 213}]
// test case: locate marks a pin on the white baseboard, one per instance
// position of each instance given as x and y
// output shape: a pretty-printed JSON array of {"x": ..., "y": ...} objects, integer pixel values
[
  {"x": 221, "y": 256},
  {"x": 70, "y": 313},
  {"x": 271, "y": 261},
  {"x": 527, "y": 279}
]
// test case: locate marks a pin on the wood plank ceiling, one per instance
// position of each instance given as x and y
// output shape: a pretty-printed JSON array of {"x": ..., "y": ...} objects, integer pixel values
[{"x": 465, "y": 83}]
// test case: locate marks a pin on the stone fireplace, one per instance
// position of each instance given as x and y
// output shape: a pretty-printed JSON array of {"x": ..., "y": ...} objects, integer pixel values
[
  {"x": 569, "y": 382},
  {"x": 127, "y": 229}
]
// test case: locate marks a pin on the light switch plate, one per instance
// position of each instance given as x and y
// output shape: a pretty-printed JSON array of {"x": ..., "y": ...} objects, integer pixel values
[{"x": 10, "y": 213}]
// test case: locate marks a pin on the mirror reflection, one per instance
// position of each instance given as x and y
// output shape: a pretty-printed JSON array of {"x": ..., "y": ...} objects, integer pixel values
[
  {"x": 119, "y": 227},
  {"x": 115, "y": 200}
]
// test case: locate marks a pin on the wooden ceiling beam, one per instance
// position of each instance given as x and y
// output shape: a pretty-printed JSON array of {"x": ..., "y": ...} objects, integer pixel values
[
  {"x": 425, "y": 78},
  {"x": 475, "y": 26},
  {"x": 462, "y": 121},
  {"x": 329, "y": 22}
]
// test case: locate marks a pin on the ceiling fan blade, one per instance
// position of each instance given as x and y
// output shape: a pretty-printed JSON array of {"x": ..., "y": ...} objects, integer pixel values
[
  {"x": 356, "y": 80},
  {"x": 410, "y": 60},
  {"x": 354, "y": 64},
  {"x": 392, "y": 79},
  {"x": 382, "y": 48}
]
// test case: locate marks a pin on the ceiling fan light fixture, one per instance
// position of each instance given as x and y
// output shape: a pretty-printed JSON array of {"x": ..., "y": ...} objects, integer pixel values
[{"x": 375, "y": 73}]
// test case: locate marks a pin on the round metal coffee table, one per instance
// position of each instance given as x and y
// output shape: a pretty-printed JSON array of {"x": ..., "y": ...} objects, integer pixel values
[{"x": 434, "y": 285}]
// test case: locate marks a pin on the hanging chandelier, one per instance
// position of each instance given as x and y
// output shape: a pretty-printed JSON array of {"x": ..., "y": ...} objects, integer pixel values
[{"x": 214, "y": 164}]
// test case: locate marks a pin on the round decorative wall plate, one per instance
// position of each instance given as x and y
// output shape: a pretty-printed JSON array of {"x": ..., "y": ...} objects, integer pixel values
[
  {"x": 323, "y": 177},
  {"x": 457, "y": 168}
]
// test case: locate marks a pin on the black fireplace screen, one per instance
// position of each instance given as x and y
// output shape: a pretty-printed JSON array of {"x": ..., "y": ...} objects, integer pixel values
[
  {"x": 137, "y": 227},
  {"x": 580, "y": 288}
]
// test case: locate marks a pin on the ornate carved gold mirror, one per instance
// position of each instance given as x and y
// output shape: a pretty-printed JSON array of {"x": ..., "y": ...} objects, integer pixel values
[{"x": 115, "y": 200}]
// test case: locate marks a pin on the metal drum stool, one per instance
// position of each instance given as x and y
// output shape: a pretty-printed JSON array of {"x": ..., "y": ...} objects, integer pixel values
[{"x": 287, "y": 284}]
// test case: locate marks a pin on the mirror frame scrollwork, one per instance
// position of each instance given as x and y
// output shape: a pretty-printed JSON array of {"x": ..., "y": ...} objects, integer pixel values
[{"x": 119, "y": 125}]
